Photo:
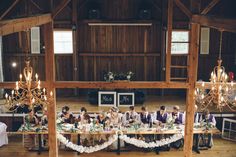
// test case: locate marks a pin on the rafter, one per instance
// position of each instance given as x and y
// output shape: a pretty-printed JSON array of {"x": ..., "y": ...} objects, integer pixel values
[
  {"x": 215, "y": 22},
  {"x": 60, "y": 7},
  {"x": 21, "y": 24},
  {"x": 36, "y": 5},
  {"x": 210, "y": 6},
  {"x": 183, "y": 8},
  {"x": 9, "y": 9}
]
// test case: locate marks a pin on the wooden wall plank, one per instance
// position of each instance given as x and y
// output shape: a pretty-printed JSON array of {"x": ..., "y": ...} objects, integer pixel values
[{"x": 169, "y": 36}]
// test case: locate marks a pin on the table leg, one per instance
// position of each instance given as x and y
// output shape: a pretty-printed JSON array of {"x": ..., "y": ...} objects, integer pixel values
[
  {"x": 78, "y": 142},
  {"x": 40, "y": 143},
  {"x": 118, "y": 145}
]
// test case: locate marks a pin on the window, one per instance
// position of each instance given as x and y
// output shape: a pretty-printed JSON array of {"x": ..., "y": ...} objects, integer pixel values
[
  {"x": 35, "y": 40},
  {"x": 205, "y": 37},
  {"x": 63, "y": 42},
  {"x": 180, "y": 42}
]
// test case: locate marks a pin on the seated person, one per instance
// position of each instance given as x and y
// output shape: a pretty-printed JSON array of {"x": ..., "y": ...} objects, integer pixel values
[
  {"x": 44, "y": 118},
  {"x": 102, "y": 118},
  {"x": 66, "y": 116},
  {"x": 83, "y": 116},
  {"x": 196, "y": 136},
  {"x": 44, "y": 122},
  {"x": 114, "y": 117},
  {"x": 30, "y": 120},
  {"x": 145, "y": 117},
  {"x": 209, "y": 119},
  {"x": 160, "y": 116},
  {"x": 178, "y": 116},
  {"x": 130, "y": 117}
]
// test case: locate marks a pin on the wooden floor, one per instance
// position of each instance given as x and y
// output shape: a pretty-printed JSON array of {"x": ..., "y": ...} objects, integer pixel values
[{"x": 222, "y": 148}]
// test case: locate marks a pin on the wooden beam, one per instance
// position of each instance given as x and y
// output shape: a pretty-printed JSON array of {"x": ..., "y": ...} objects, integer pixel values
[
  {"x": 36, "y": 5},
  {"x": 120, "y": 84},
  {"x": 9, "y": 9},
  {"x": 60, "y": 7},
  {"x": 208, "y": 85},
  {"x": 21, "y": 24},
  {"x": 157, "y": 54},
  {"x": 183, "y": 8},
  {"x": 215, "y": 22},
  {"x": 192, "y": 77},
  {"x": 209, "y": 7},
  {"x": 11, "y": 85},
  {"x": 50, "y": 78},
  {"x": 169, "y": 36}
]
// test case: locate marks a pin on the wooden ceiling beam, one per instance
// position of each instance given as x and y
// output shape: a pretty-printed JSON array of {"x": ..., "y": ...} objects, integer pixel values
[
  {"x": 209, "y": 7},
  {"x": 9, "y": 9},
  {"x": 60, "y": 7},
  {"x": 183, "y": 8},
  {"x": 121, "y": 84},
  {"x": 215, "y": 22},
  {"x": 21, "y": 24}
]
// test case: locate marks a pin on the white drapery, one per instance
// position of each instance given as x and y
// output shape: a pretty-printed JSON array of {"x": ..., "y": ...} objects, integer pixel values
[{"x": 3, "y": 134}]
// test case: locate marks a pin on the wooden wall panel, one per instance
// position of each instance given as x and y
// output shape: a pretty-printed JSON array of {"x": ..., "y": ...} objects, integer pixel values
[
  {"x": 64, "y": 67},
  {"x": 12, "y": 73},
  {"x": 118, "y": 9}
]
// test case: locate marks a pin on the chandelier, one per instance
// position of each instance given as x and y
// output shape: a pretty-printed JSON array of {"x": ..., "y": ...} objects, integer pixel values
[
  {"x": 27, "y": 91},
  {"x": 220, "y": 92}
]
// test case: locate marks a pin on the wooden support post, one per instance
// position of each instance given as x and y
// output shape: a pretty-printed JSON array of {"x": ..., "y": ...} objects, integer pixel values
[
  {"x": 169, "y": 36},
  {"x": 75, "y": 41},
  {"x": 145, "y": 57},
  {"x": 192, "y": 77},
  {"x": 50, "y": 78}
]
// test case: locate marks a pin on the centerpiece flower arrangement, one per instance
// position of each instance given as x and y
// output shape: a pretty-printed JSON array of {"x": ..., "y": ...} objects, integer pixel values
[
  {"x": 170, "y": 122},
  {"x": 206, "y": 124}
]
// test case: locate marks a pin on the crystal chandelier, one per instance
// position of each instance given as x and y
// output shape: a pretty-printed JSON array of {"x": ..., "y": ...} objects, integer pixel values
[
  {"x": 27, "y": 91},
  {"x": 221, "y": 92}
]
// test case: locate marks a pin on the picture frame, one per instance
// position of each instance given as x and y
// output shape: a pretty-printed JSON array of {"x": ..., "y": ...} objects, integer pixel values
[
  {"x": 126, "y": 99},
  {"x": 107, "y": 98}
]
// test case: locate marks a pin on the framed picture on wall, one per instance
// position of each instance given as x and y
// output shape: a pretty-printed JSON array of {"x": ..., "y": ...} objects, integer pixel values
[
  {"x": 106, "y": 98},
  {"x": 125, "y": 99}
]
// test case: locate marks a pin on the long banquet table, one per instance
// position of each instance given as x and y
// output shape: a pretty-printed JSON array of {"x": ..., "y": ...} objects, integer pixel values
[{"x": 177, "y": 129}]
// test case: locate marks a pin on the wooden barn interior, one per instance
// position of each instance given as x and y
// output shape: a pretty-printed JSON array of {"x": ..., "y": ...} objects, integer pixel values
[{"x": 117, "y": 36}]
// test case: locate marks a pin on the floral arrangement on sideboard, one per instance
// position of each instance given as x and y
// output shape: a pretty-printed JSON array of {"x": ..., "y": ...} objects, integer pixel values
[{"x": 111, "y": 76}]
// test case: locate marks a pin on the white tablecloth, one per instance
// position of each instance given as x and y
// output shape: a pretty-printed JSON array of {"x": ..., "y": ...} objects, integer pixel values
[{"x": 3, "y": 134}]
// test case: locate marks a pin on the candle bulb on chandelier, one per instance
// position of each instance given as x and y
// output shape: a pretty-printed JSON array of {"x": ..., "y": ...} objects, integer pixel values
[
  {"x": 36, "y": 77},
  {"x": 44, "y": 90},
  {"x": 227, "y": 89},
  {"x": 12, "y": 92},
  {"x": 6, "y": 95},
  {"x": 203, "y": 84},
  {"x": 51, "y": 94},
  {"x": 33, "y": 100},
  {"x": 39, "y": 84},
  {"x": 17, "y": 85},
  {"x": 20, "y": 77},
  {"x": 232, "y": 83}
]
